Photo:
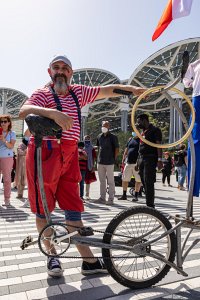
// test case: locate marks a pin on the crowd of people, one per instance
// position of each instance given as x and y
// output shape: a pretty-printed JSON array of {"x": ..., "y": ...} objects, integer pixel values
[
  {"x": 74, "y": 161},
  {"x": 138, "y": 161}
]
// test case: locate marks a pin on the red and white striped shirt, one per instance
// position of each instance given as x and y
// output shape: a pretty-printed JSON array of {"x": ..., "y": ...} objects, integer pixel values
[{"x": 85, "y": 94}]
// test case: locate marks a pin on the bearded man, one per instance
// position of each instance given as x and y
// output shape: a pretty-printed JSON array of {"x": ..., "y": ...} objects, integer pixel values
[{"x": 62, "y": 102}]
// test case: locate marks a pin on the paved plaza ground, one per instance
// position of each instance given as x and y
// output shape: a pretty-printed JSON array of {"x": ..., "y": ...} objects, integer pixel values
[{"x": 23, "y": 273}]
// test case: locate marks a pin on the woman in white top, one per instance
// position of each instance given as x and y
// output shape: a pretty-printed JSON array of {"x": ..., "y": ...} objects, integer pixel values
[
  {"x": 7, "y": 142},
  {"x": 192, "y": 79}
]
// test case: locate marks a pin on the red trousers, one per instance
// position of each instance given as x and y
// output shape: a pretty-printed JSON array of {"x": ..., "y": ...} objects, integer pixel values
[{"x": 61, "y": 175}]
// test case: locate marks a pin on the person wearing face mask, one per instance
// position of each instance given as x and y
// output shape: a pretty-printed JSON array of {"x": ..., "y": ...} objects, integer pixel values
[
  {"x": 130, "y": 159},
  {"x": 90, "y": 173},
  {"x": 108, "y": 149},
  {"x": 149, "y": 157}
]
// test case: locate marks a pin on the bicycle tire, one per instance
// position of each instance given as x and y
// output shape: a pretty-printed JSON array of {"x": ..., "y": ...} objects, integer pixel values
[{"x": 142, "y": 271}]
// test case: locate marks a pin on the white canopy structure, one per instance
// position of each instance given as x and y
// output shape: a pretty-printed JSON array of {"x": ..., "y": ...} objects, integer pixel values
[{"x": 159, "y": 69}]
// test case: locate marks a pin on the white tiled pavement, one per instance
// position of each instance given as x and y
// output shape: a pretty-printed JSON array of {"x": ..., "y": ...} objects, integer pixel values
[{"x": 23, "y": 273}]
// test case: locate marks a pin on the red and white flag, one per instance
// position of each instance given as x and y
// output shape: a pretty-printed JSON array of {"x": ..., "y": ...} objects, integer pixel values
[{"x": 175, "y": 9}]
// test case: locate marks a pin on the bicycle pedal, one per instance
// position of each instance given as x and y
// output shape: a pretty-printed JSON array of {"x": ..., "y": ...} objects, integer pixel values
[
  {"x": 26, "y": 242},
  {"x": 86, "y": 231}
]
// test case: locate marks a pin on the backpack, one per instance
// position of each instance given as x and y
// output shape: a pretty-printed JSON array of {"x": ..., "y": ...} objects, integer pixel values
[{"x": 178, "y": 159}]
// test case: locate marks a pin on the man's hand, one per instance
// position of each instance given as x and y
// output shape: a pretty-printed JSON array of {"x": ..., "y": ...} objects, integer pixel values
[
  {"x": 137, "y": 91},
  {"x": 62, "y": 120}
]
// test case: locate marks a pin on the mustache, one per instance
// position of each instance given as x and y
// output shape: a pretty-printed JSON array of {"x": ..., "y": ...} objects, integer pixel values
[{"x": 57, "y": 76}]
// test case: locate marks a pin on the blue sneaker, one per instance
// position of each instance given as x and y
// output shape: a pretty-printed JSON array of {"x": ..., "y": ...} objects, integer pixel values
[{"x": 54, "y": 268}]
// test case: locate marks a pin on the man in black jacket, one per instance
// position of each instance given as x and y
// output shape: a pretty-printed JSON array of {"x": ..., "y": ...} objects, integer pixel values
[{"x": 149, "y": 157}]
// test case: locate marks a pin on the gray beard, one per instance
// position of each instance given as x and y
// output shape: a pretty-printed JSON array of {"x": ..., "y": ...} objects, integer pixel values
[{"x": 60, "y": 86}]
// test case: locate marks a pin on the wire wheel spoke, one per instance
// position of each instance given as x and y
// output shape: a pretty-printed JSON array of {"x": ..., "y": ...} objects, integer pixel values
[{"x": 136, "y": 227}]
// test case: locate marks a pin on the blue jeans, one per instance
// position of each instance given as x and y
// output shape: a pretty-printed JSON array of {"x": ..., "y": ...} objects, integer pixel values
[
  {"x": 181, "y": 174},
  {"x": 83, "y": 172}
]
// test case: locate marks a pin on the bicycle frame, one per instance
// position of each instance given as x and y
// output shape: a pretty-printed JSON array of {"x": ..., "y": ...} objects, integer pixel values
[
  {"x": 138, "y": 249},
  {"x": 181, "y": 255}
]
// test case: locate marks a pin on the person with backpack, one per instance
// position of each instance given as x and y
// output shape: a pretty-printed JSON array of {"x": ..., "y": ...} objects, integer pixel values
[{"x": 130, "y": 157}]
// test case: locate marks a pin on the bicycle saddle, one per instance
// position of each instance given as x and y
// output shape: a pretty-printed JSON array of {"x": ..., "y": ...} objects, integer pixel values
[{"x": 41, "y": 126}]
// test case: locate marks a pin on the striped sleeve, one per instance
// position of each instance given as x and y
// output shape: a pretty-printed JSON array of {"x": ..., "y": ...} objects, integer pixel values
[
  {"x": 89, "y": 94},
  {"x": 38, "y": 98}
]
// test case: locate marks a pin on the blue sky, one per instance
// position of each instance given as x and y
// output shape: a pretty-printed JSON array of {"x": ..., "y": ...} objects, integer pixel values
[{"x": 114, "y": 35}]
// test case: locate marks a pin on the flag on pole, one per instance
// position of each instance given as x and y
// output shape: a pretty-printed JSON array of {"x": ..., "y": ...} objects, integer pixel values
[{"x": 175, "y": 9}]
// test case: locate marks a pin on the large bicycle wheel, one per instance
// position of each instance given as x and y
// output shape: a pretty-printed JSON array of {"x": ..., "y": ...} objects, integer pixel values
[{"x": 135, "y": 226}]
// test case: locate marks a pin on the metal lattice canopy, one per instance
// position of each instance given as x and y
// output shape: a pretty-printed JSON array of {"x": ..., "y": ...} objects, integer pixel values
[
  {"x": 96, "y": 77},
  {"x": 10, "y": 102},
  {"x": 161, "y": 68}
]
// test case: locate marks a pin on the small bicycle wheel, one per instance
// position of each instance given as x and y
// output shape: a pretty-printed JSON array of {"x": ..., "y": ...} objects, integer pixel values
[
  {"x": 135, "y": 226},
  {"x": 48, "y": 240}
]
